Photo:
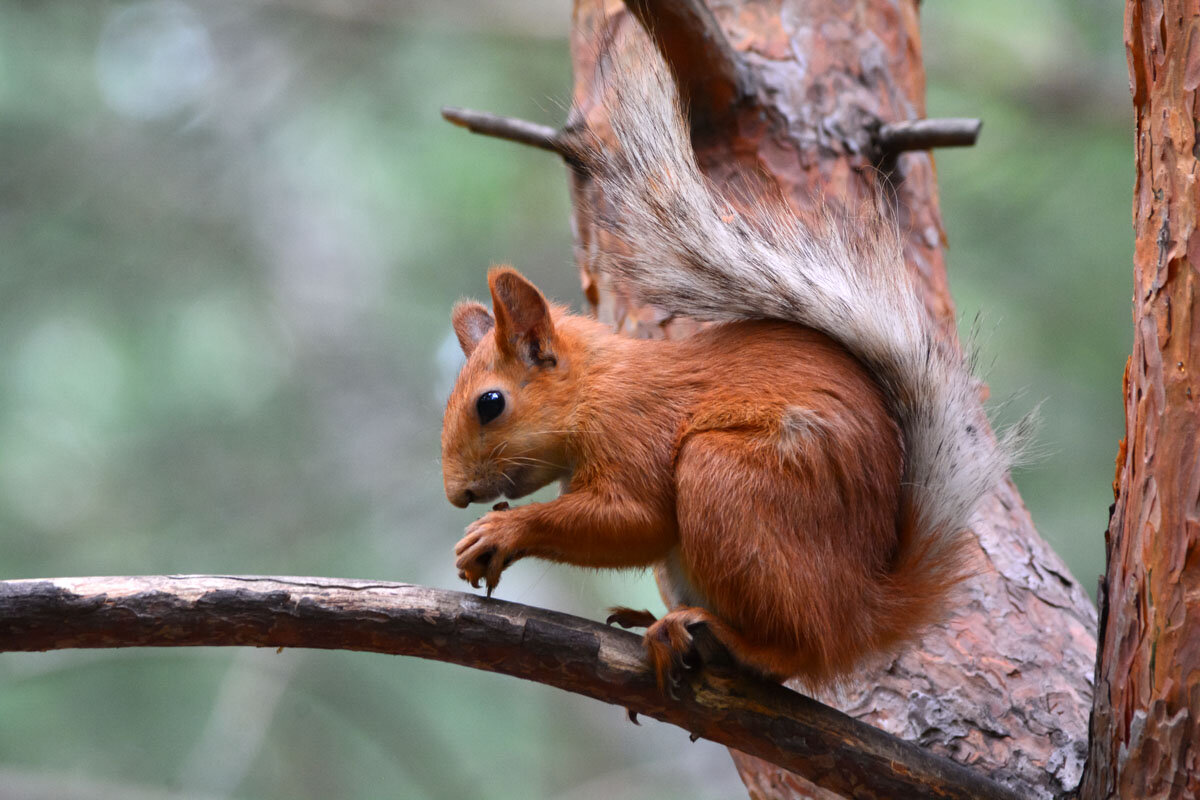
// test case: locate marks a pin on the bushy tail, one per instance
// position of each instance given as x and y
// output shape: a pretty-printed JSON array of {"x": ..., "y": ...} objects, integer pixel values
[{"x": 694, "y": 254}]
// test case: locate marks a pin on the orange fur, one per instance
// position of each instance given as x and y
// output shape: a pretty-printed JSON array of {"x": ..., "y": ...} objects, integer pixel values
[{"x": 755, "y": 463}]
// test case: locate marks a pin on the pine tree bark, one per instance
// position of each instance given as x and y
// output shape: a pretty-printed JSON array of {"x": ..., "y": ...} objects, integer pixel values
[
  {"x": 1147, "y": 714},
  {"x": 1005, "y": 685}
]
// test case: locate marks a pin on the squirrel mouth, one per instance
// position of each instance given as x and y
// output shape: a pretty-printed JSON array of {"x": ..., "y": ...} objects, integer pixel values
[
  {"x": 518, "y": 483},
  {"x": 522, "y": 481}
]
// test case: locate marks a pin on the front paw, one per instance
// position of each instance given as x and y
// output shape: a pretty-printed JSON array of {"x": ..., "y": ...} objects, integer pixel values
[{"x": 488, "y": 547}]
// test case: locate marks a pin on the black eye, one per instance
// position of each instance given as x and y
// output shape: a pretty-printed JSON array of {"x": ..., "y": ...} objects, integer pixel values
[{"x": 489, "y": 406}]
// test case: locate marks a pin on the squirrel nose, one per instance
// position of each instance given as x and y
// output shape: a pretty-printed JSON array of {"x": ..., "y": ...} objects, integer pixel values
[{"x": 460, "y": 497}]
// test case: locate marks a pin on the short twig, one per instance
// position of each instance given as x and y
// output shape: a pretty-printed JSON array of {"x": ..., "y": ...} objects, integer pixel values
[
  {"x": 923, "y": 134},
  {"x": 514, "y": 130}
]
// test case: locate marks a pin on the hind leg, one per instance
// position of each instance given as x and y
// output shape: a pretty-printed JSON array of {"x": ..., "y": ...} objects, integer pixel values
[{"x": 784, "y": 546}]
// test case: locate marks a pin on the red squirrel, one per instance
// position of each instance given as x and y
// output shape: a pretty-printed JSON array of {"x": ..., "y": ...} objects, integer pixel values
[{"x": 800, "y": 474}]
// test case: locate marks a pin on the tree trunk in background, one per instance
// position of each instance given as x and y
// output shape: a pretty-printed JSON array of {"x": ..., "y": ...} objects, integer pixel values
[
  {"x": 1006, "y": 684},
  {"x": 1147, "y": 718}
]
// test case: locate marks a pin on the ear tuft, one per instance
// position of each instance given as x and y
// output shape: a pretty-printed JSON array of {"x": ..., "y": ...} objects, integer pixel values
[
  {"x": 523, "y": 323},
  {"x": 471, "y": 322}
]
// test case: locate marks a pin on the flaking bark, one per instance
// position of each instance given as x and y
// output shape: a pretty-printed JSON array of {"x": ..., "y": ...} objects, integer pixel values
[{"x": 1147, "y": 714}]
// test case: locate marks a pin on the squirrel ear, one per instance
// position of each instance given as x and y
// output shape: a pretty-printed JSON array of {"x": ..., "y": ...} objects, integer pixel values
[
  {"x": 523, "y": 325},
  {"x": 471, "y": 323}
]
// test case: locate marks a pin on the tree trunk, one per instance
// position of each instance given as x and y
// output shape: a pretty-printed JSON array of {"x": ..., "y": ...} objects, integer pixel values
[
  {"x": 1005, "y": 684},
  {"x": 1145, "y": 723}
]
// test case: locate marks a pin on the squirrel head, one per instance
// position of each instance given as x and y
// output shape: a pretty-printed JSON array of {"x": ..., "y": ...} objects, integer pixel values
[{"x": 507, "y": 423}]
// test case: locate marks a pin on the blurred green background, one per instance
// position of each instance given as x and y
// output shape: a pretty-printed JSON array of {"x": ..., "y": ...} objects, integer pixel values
[{"x": 230, "y": 234}]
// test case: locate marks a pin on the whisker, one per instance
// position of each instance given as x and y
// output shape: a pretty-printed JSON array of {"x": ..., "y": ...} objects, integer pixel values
[
  {"x": 527, "y": 460},
  {"x": 530, "y": 460}
]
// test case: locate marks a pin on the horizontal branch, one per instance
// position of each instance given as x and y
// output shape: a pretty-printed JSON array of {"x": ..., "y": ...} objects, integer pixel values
[
  {"x": 923, "y": 134},
  {"x": 514, "y": 130},
  {"x": 757, "y": 717}
]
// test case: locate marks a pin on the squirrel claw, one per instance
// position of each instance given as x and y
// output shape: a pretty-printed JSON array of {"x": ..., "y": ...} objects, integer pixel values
[
  {"x": 671, "y": 649},
  {"x": 486, "y": 550},
  {"x": 673, "y": 684}
]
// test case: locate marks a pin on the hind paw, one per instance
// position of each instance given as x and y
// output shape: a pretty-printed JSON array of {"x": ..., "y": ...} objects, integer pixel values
[{"x": 671, "y": 648}]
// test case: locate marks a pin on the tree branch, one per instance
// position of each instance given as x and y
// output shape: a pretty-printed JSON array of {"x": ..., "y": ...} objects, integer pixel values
[
  {"x": 757, "y": 717},
  {"x": 923, "y": 134},
  {"x": 514, "y": 130}
]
